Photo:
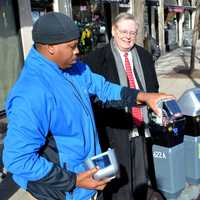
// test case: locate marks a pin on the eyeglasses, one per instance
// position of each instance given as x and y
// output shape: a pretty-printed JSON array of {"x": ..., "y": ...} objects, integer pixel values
[{"x": 125, "y": 33}]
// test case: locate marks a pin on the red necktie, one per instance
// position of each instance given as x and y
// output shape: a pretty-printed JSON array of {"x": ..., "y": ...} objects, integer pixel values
[{"x": 136, "y": 112}]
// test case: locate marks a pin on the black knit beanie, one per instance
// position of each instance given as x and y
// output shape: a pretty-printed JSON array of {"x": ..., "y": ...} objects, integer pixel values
[{"x": 54, "y": 28}]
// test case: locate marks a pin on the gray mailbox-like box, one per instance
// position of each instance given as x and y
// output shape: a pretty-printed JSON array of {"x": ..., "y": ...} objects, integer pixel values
[{"x": 189, "y": 103}]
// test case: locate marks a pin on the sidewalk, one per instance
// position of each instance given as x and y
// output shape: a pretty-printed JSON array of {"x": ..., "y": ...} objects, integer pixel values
[{"x": 172, "y": 71}]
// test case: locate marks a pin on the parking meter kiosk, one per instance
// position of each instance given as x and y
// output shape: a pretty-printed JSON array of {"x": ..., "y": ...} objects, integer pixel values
[
  {"x": 168, "y": 148},
  {"x": 189, "y": 103}
]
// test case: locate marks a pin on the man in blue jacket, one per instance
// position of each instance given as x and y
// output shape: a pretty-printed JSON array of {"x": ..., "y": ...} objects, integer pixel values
[{"x": 51, "y": 130}]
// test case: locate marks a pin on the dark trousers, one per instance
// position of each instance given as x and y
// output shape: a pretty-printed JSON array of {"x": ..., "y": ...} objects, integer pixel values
[
  {"x": 131, "y": 155},
  {"x": 139, "y": 180}
]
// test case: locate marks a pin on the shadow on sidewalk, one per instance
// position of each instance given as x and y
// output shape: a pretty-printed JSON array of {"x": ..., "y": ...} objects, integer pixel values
[{"x": 182, "y": 71}]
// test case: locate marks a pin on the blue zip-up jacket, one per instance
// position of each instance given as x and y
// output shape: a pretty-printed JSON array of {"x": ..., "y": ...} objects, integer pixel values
[{"x": 51, "y": 129}]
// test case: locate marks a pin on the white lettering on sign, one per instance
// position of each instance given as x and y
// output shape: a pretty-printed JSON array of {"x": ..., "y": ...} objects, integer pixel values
[{"x": 159, "y": 154}]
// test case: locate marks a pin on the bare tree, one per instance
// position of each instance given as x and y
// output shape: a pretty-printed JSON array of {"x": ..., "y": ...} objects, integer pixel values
[{"x": 195, "y": 35}]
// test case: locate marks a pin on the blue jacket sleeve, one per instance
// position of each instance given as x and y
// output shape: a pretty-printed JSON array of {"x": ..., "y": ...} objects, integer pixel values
[{"x": 110, "y": 93}]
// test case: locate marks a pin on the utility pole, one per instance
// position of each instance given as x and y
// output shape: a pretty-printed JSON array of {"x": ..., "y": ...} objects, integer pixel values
[
  {"x": 195, "y": 35},
  {"x": 64, "y": 6},
  {"x": 139, "y": 14},
  {"x": 25, "y": 19},
  {"x": 161, "y": 26}
]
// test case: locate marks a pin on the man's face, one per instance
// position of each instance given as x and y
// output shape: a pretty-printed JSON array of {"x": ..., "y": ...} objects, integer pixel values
[
  {"x": 65, "y": 54},
  {"x": 124, "y": 33}
]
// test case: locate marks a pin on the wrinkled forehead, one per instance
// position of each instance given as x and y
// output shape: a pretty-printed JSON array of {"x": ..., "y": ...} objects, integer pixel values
[{"x": 127, "y": 24}]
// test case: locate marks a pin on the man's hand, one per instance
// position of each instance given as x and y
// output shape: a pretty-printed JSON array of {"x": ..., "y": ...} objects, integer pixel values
[
  {"x": 151, "y": 99},
  {"x": 86, "y": 180}
]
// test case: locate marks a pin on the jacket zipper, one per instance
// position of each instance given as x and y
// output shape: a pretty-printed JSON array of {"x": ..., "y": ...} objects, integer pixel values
[
  {"x": 78, "y": 96},
  {"x": 76, "y": 93}
]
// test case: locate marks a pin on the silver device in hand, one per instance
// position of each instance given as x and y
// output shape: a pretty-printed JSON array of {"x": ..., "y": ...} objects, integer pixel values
[
  {"x": 107, "y": 163},
  {"x": 170, "y": 112}
]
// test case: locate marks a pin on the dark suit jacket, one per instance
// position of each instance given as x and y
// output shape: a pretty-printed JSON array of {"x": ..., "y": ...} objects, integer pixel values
[
  {"x": 102, "y": 61},
  {"x": 114, "y": 125}
]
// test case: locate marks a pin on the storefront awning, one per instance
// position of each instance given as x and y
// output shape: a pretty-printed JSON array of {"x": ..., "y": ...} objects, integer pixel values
[
  {"x": 190, "y": 8},
  {"x": 152, "y": 3},
  {"x": 177, "y": 9},
  {"x": 114, "y": 1},
  {"x": 170, "y": 3},
  {"x": 40, "y": 3},
  {"x": 180, "y": 9},
  {"x": 174, "y": 7}
]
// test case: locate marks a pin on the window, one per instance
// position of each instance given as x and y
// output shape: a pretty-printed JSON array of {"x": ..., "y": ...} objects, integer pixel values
[{"x": 11, "y": 58}]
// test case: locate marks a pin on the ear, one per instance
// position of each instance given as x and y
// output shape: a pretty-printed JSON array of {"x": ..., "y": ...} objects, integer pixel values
[
  {"x": 51, "y": 49},
  {"x": 113, "y": 30}
]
